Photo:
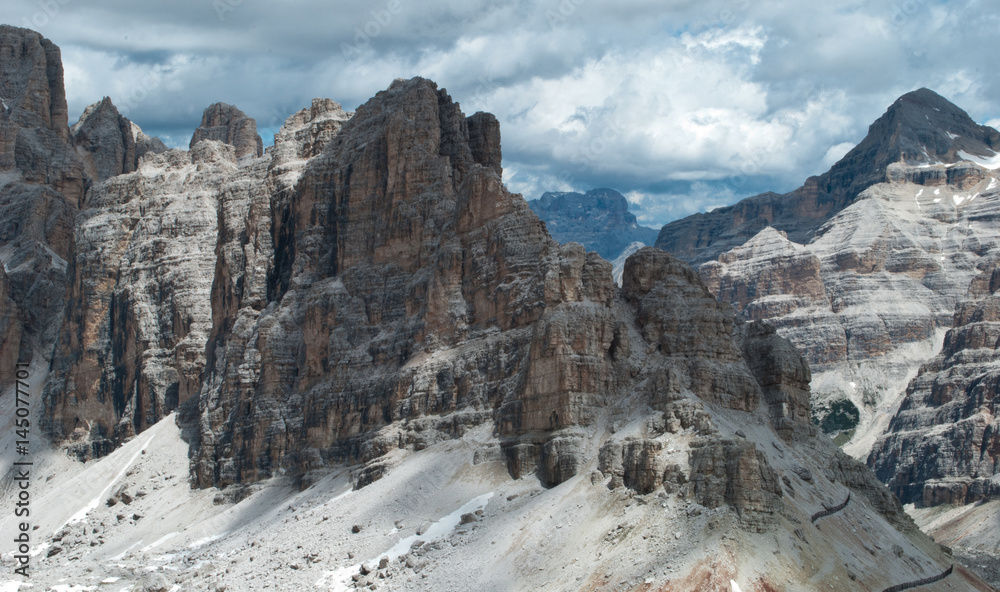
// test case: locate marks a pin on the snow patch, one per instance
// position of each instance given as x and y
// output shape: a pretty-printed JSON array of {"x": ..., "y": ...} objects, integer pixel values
[
  {"x": 958, "y": 199},
  {"x": 993, "y": 183},
  {"x": 160, "y": 541},
  {"x": 937, "y": 191},
  {"x": 207, "y": 540},
  {"x": 439, "y": 529},
  {"x": 736, "y": 587},
  {"x": 951, "y": 135},
  {"x": 338, "y": 579},
  {"x": 937, "y": 200},
  {"x": 125, "y": 552},
  {"x": 988, "y": 162},
  {"x": 82, "y": 514}
]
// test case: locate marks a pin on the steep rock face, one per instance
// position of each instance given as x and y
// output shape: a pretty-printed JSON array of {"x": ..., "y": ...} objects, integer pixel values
[
  {"x": 395, "y": 248},
  {"x": 370, "y": 290},
  {"x": 943, "y": 446},
  {"x": 412, "y": 299},
  {"x": 11, "y": 331},
  {"x": 678, "y": 314},
  {"x": 227, "y": 124},
  {"x": 869, "y": 293},
  {"x": 598, "y": 219},
  {"x": 306, "y": 133},
  {"x": 32, "y": 90},
  {"x": 41, "y": 183},
  {"x": 108, "y": 143},
  {"x": 103, "y": 138},
  {"x": 132, "y": 347},
  {"x": 767, "y": 277},
  {"x": 737, "y": 474}
]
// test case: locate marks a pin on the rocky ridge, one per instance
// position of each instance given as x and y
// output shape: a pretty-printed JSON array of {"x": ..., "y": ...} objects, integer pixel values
[
  {"x": 942, "y": 446},
  {"x": 920, "y": 128},
  {"x": 366, "y": 301},
  {"x": 882, "y": 285},
  {"x": 108, "y": 143}
]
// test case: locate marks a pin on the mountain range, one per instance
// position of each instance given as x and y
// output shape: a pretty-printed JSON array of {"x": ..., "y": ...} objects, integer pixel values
[
  {"x": 355, "y": 360},
  {"x": 882, "y": 272}
]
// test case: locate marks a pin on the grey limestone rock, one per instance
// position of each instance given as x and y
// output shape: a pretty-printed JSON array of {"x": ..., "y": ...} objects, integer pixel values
[{"x": 227, "y": 124}]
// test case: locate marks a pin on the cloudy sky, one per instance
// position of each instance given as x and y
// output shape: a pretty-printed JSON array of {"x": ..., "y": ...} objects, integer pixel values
[{"x": 681, "y": 105}]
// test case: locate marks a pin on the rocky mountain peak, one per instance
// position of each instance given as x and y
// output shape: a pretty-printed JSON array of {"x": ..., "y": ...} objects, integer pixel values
[
  {"x": 32, "y": 82},
  {"x": 305, "y": 133},
  {"x": 922, "y": 127},
  {"x": 386, "y": 314},
  {"x": 598, "y": 219},
  {"x": 108, "y": 143},
  {"x": 229, "y": 125}
]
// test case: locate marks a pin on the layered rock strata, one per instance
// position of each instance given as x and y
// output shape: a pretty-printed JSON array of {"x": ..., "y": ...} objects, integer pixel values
[
  {"x": 868, "y": 290},
  {"x": 227, "y": 124},
  {"x": 108, "y": 143},
  {"x": 411, "y": 299},
  {"x": 41, "y": 184},
  {"x": 943, "y": 446}
]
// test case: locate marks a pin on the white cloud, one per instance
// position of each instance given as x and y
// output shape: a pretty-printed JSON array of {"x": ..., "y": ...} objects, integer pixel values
[
  {"x": 835, "y": 153},
  {"x": 683, "y": 103}
]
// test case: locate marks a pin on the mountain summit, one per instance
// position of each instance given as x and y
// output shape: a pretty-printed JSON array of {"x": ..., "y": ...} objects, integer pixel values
[
  {"x": 884, "y": 272},
  {"x": 365, "y": 306},
  {"x": 598, "y": 219},
  {"x": 919, "y": 128}
]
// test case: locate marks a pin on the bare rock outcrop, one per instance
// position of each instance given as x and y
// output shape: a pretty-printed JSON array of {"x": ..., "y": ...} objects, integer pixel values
[
  {"x": 738, "y": 474},
  {"x": 867, "y": 287},
  {"x": 108, "y": 143},
  {"x": 11, "y": 331},
  {"x": 227, "y": 124},
  {"x": 35, "y": 100},
  {"x": 943, "y": 445},
  {"x": 132, "y": 346},
  {"x": 397, "y": 246},
  {"x": 41, "y": 184},
  {"x": 676, "y": 312}
]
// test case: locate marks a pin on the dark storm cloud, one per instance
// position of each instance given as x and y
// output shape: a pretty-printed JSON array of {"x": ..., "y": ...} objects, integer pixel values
[{"x": 681, "y": 105}]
